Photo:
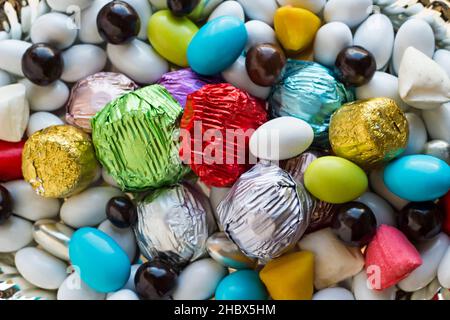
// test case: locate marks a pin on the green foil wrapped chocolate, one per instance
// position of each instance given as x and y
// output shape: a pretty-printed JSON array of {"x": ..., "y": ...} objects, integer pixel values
[{"x": 136, "y": 138}]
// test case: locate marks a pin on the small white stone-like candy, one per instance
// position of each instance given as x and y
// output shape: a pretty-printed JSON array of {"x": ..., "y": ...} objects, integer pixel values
[
  {"x": 42, "y": 120},
  {"x": 312, "y": 5},
  {"x": 88, "y": 32},
  {"x": 259, "y": 32},
  {"x": 376, "y": 35},
  {"x": 444, "y": 270},
  {"x": 14, "y": 112},
  {"x": 28, "y": 204},
  {"x": 15, "y": 233},
  {"x": 381, "y": 85},
  {"x": 40, "y": 268},
  {"x": 262, "y": 10},
  {"x": 228, "y": 8},
  {"x": 46, "y": 98},
  {"x": 431, "y": 253},
  {"x": 130, "y": 283},
  {"x": 437, "y": 122},
  {"x": 147, "y": 67},
  {"x": 123, "y": 294},
  {"x": 415, "y": 33},
  {"x": 363, "y": 291},
  {"x": 5, "y": 78},
  {"x": 350, "y": 12},
  {"x": 73, "y": 288},
  {"x": 281, "y": 138},
  {"x": 330, "y": 40},
  {"x": 333, "y": 294},
  {"x": 64, "y": 5},
  {"x": 144, "y": 11},
  {"x": 237, "y": 75},
  {"x": 81, "y": 61},
  {"x": 422, "y": 83},
  {"x": 11, "y": 52},
  {"x": 198, "y": 281},
  {"x": 417, "y": 134},
  {"x": 216, "y": 195},
  {"x": 381, "y": 209},
  {"x": 124, "y": 237},
  {"x": 53, "y": 237},
  {"x": 442, "y": 57},
  {"x": 54, "y": 28},
  {"x": 377, "y": 185},
  {"x": 88, "y": 208}
]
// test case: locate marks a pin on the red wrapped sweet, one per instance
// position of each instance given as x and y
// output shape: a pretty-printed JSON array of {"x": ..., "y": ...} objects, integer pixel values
[
  {"x": 216, "y": 127},
  {"x": 11, "y": 160}
]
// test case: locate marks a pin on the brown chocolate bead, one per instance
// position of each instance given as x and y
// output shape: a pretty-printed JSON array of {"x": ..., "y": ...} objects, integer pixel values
[
  {"x": 420, "y": 221},
  {"x": 264, "y": 64},
  {"x": 355, "y": 66},
  {"x": 42, "y": 64},
  {"x": 118, "y": 22},
  {"x": 5, "y": 204},
  {"x": 182, "y": 7},
  {"x": 155, "y": 280},
  {"x": 121, "y": 212}
]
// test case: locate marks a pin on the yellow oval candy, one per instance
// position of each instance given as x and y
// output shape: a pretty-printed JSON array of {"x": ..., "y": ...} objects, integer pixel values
[
  {"x": 295, "y": 28},
  {"x": 170, "y": 36},
  {"x": 335, "y": 180}
]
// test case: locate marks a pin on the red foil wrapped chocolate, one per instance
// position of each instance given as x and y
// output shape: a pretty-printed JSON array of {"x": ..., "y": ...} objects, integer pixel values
[
  {"x": 11, "y": 160},
  {"x": 216, "y": 127}
]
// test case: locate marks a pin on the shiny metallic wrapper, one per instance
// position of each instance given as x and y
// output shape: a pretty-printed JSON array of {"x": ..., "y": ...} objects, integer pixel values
[
  {"x": 136, "y": 138},
  {"x": 309, "y": 91},
  {"x": 59, "y": 161},
  {"x": 174, "y": 224},
  {"x": 369, "y": 132},
  {"x": 265, "y": 213},
  {"x": 90, "y": 95}
]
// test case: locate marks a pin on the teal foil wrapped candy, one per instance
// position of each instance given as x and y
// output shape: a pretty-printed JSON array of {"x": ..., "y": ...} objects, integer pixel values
[
  {"x": 309, "y": 91},
  {"x": 136, "y": 138}
]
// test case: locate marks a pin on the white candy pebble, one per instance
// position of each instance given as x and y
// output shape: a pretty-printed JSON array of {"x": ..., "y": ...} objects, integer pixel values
[
  {"x": 64, "y": 5},
  {"x": 362, "y": 289},
  {"x": 377, "y": 184},
  {"x": 228, "y": 8},
  {"x": 437, "y": 122},
  {"x": 262, "y": 10},
  {"x": 123, "y": 294},
  {"x": 315, "y": 6},
  {"x": 130, "y": 283},
  {"x": 444, "y": 270},
  {"x": 330, "y": 40},
  {"x": 259, "y": 32},
  {"x": 73, "y": 288},
  {"x": 144, "y": 11},
  {"x": 11, "y": 52},
  {"x": 14, "y": 112},
  {"x": 42, "y": 120},
  {"x": 5, "y": 78},
  {"x": 124, "y": 237},
  {"x": 15, "y": 233},
  {"x": 82, "y": 60},
  {"x": 417, "y": 134},
  {"x": 442, "y": 57},
  {"x": 333, "y": 294},
  {"x": 350, "y": 12},
  {"x": 47, "y": 98},
  {"x": 88, "y": 32},
  {"x": 54, "y": 28}
]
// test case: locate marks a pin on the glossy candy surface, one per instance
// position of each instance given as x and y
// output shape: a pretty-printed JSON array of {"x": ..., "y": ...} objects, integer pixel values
[
  {"x": 121, "y": 212},
  {"x": 264, "y": 64},
  {"x": 155, "y": 280},
  {"x": 355, "y": 66},
  {"x": 42, "y": 64},
  {"x": 182, "y": 7},
  {"x": 5, "y": 204},
  {"x": 241, "y": 285},
  {"x": 420, "y": 221}
]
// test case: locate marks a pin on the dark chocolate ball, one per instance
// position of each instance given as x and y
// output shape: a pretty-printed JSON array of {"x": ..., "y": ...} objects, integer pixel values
[
  {"x": 118, "y": 22},
  {"x": 121, "y": 212},
  {"x": 182, "y": 7},
  {"x": 155, "y": 280},
  {"x": 5, "y": 204},
  {"x": 355, "y": 66},
  {"x": 354, "y": 223},
  {"x": 420, "y": 221},
  {"x": 264, "y": 63},
  {"x": 42, "y": 64}
]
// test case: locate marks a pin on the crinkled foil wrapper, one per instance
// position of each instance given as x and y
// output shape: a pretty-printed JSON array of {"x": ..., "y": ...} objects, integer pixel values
[
  {"x": 435, "y": 12},
  {"x": 369, "y": 132},
  {"x": 309, "y": 91},
  {"x": 183, "y": 82},
  {"x": 265, "y": 213},
  {"x": 320, "y": 212},
  {"x": 90, "y": 95},
  {"x": 136, "y": 138},
  {"x": 174, "y": 224},
  {"x": 59, "y": 161}
]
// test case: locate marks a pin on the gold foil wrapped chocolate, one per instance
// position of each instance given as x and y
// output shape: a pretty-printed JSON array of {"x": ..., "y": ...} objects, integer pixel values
[
  {"x": 369, "y": 132},
  {"x": 59, "y": 161}
]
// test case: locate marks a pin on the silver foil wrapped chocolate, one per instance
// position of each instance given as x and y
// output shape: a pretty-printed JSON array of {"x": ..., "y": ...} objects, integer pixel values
[
  {"x": 174, "y": 224},
  {"x": 266, "y": 212}
]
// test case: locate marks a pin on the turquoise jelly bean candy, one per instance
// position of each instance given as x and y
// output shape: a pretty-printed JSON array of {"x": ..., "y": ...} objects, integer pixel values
[
  {"x": 217, "y": 45},
  {"x": 102, "y": 264},
  {"x": 418, "y": 177},
  {"x": 241, "y": 285}
]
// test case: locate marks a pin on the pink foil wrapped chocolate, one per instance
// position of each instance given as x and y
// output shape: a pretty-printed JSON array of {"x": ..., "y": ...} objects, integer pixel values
[{"x": 90, "y": 95}]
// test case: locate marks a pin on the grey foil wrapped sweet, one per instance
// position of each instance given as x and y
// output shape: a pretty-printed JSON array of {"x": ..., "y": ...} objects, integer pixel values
[
  {"x": 174, "y": 224},
  {"x": 309, "y": 91},
  {"x": 265, "y": 213},
  {"x": 88, "y": 96}
]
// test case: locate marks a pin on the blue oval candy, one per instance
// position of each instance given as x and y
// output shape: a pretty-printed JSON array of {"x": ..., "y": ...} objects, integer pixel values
[
  {"x": 241, "y": 285},
  {"x": 217, "y": 45},
  {"x": 102, "y": 264},
  {"x": 418, "y": 177}
]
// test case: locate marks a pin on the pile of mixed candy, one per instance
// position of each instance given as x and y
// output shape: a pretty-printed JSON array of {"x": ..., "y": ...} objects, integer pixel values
[{"x": 228, "y": 150}]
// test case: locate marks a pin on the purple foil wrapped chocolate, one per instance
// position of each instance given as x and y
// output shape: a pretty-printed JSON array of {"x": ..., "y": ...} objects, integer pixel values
[
  {"x": 183, "y": 82},
  {"x": 90, "y": 95}
]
